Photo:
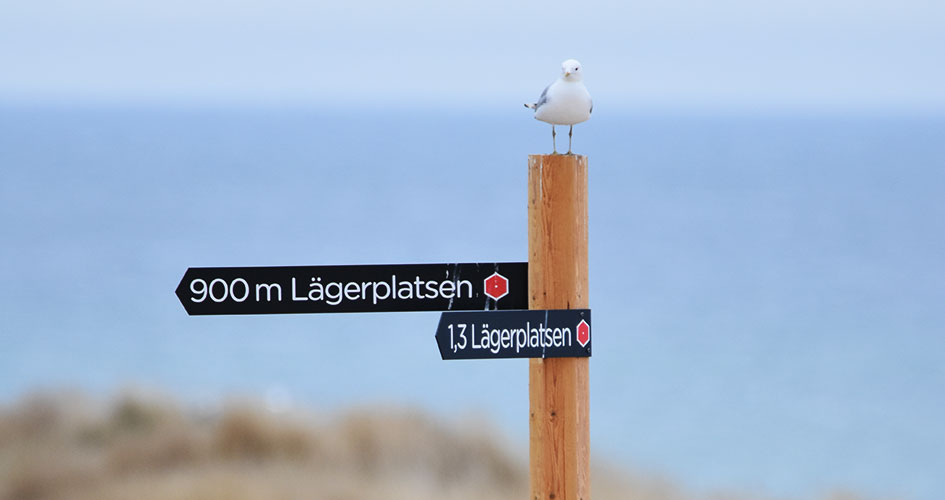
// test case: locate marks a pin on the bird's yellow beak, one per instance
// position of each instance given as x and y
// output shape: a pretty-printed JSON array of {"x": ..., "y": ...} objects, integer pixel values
[{"x": 567, "y": 73}]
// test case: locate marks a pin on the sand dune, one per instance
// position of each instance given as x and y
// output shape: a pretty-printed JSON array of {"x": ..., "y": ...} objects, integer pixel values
[{"x": 65, "y": 446}]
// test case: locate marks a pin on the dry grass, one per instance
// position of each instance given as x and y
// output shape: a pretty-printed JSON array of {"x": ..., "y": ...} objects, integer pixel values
[{"x": 65, "y": 447}]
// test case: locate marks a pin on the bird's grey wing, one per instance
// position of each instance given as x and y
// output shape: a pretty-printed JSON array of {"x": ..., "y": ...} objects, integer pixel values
[
  {"x": 543, "y": 98},
  {"x": 592, "y": 107}
]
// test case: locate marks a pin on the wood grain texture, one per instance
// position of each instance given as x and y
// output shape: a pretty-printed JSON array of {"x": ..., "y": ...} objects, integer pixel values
[{"x": 559, "y": 444}]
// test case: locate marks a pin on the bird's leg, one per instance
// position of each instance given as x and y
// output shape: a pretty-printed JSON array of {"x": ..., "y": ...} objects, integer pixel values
[
  {"x": 554, "y": 147},
  {"x": 570, "y": 131}
]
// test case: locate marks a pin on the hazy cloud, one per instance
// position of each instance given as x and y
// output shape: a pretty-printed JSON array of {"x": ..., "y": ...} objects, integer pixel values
[{"x": 680, "y": 53}]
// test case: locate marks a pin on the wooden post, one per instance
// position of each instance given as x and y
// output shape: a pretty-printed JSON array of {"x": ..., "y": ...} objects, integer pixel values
[{"x": 559, "y": 465}]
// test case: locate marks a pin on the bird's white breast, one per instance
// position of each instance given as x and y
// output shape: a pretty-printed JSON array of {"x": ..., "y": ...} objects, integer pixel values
[{"x": 568, "y": 103}]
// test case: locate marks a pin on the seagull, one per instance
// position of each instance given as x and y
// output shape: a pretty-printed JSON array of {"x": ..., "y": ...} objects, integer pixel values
[{"x": 564, "y": 102}]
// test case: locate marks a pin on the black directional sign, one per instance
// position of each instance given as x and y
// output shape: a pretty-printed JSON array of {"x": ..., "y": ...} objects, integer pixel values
[
  {"x": 376, "y": 288},
  {"x": 560, "y": 333}
]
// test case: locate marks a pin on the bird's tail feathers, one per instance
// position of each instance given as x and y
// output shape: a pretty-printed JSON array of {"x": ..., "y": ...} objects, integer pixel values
[{"x": 532, "y": 106}]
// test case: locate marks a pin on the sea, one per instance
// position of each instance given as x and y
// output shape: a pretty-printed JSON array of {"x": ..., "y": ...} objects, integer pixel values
[{"x": 768, "y": 289}]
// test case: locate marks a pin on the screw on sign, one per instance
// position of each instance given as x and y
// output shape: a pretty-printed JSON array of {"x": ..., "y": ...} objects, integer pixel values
[
  {"x": 497, "y": 286},
  {"x": 583, "y": 333}
]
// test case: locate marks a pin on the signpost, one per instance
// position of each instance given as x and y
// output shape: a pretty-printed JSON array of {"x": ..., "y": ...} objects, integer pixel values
[
  {"x": 374, "y": 288},
  {"x": 559, "y": 410},
  {"x": 554, "y": 331},
  {"x": 514, "y": 334}
]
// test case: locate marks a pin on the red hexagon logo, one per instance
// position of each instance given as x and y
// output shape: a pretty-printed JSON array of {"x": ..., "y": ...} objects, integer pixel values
[
  {"x": 583, "y": 333},
  {"x": 497, "y": 286}
]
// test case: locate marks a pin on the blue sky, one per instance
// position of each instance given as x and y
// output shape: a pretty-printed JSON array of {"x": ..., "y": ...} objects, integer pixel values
[{"x": 729, "y": 54}]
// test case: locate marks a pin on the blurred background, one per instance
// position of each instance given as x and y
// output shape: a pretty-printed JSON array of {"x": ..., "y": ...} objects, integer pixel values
[{"x": 766, "y": 243}]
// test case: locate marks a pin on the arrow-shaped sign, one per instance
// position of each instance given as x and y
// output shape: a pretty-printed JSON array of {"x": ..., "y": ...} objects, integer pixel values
[
  {"x": 373, "y": 288},
  {"x": 560, "y": 333}
]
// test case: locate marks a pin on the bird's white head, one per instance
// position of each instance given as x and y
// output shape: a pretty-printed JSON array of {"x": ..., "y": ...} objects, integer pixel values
[{"x": 571, "y": 70}]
